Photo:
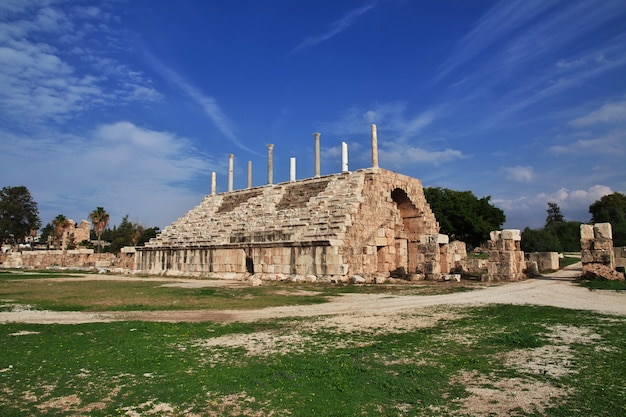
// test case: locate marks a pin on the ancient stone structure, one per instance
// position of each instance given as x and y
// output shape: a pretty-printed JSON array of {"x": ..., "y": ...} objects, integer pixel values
[
  {"x": 546, "y": 261},
  {"x": 597, "y": 254},
  {"x": 368, "y": 222},
  {"x": 364, "y": 225},
  {"x": 596, "y": 244},
  {"x": 506, "y": 259}
]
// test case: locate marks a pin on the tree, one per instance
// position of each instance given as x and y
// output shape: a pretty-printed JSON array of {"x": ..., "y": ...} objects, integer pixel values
[
  {"x": 128, "y": 234},
  {"x": 100, "y": 219},
  {"x": 19, "y": 215},
  {"x": 463, "y": 216},
  {"x": 61, "y": 224},
  {"x": 554, "y": 214},
  {"x": 557, "y": 235},
  {"x": 611, "y": 208}
]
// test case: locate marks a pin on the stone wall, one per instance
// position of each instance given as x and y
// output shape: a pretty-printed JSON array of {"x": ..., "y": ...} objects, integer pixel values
[{"x": 78, "y": 258}]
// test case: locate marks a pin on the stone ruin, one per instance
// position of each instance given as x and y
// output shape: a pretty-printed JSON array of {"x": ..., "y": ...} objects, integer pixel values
[
  {"x": 506, "y": 259},
  {"x": 371, "y": 224},
  {"x": 546, "y": 261},
  {"x": 597, "y": 254}
]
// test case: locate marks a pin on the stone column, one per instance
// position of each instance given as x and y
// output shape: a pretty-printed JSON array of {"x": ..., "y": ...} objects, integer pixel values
[
  {"x": 374, "y": 147},
  {"x": 317, "y": 154},
  {"x": 344, "y": 157},
  {"x": 270, "y": 163},
  {"x": 249, "y": 174},
  {"x": 213, "y": 183},
  {"x": 292, "y": 169},
  {"x": 230, "y": 171}
]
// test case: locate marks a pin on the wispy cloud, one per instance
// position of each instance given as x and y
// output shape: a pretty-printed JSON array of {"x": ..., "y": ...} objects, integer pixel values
[
  {"x": 521, "y": 53},
  {"x": 336, "y": 27},
  {"x": 208, "y": 104},
  {"x": 502, "y": 20},
  {"x": 611, "y": 112}
]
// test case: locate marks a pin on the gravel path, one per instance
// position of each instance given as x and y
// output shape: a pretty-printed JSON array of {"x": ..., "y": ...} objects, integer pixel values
[{"x": 556, "y": 290}]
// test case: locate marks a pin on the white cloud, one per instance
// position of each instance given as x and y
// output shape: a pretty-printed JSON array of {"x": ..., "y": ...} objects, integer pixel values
[
  {"x": 125, "y": 168},
  {"x": 41, "y": 50},
  {"x": 525, "y": 211},
  {"x": 520, "y": 173},
  {"x": 609, "y": 113}
]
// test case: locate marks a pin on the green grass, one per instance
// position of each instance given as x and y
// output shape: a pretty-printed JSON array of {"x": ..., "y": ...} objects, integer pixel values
[
  {"x": 94, "y": 294},
  {"x": 567, "y": 261},
  {"x": 119, "y": 368},
  {"x": 604, "y": 285}
]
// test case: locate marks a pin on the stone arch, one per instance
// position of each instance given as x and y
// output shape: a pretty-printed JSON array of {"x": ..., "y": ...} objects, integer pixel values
[{"x": 407, "y": 239}]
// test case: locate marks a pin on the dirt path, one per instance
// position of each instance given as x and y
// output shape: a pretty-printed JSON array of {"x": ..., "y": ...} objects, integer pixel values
[{"x": 556, "y": 290}]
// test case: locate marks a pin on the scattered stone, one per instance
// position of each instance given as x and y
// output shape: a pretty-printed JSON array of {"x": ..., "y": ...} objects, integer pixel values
[
  {"x": 357, "y": 279},
  {"x": 601, "y": 272}
]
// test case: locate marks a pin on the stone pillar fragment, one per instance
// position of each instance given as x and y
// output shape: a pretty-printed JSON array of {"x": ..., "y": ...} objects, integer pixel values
[
  {"x": 249, "y": 174},
  {"x": 292, "y": 169},
  {"x": 344, "y": 157},
  {"x": 213, "y": 183},
  {"x": 230, "y": 171},
  {"x": 317, "y": 154},
  {"x": 374, "y": 147},
  {"x": 270, "y": 163}
]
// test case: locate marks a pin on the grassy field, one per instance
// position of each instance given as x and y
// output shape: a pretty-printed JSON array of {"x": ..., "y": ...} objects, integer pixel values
[
  {"x": 493, "y": 360},
  {"x": 40, "y": 291}
]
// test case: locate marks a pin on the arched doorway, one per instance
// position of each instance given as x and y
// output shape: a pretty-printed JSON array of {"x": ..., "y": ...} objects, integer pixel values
[{"x": 407, "y": 236}]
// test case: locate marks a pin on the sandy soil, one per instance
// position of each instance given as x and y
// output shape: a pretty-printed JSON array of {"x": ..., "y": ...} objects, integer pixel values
[{"x": 556, "y": 290}]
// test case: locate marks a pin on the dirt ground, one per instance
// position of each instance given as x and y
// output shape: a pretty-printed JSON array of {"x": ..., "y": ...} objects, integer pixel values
[{"x": 557, "y": 289}]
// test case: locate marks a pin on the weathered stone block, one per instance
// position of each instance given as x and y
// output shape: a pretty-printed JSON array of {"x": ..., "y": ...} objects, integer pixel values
[
  {"x": 511, "y": 234},
  {"x": 603, "y": 230}
]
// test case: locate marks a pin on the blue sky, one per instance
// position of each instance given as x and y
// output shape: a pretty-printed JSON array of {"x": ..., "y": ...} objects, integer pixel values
[{"x": 131, "y": 105}]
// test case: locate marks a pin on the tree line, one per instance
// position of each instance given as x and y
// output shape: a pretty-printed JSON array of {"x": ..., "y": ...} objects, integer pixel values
[
  {"x": 19, "y": 220},
  {"x": 559, "y": 235},
  {"x": 460, "y": 214}
]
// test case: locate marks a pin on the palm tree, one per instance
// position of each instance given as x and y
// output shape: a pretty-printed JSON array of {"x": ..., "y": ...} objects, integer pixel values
[
  {"x": 100, "y": 219},
  {"x": 61, "y": 224}
]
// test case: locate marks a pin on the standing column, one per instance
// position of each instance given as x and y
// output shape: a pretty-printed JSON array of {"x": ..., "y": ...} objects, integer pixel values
[
  {"x": 344, "y": 157},
  {"x": 249, "y": 174},
  {"x": 317, "y": 154},
  {"x": 213, "y": 183},
  {"x": 270, "y": 163},
  {"x": 230, "y": 171},
  {"x": 374, "y": 147},
  {"x": 292, "y": 169}
]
